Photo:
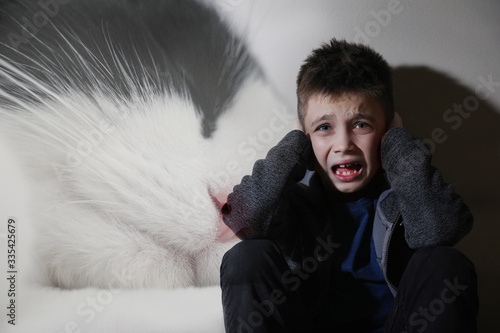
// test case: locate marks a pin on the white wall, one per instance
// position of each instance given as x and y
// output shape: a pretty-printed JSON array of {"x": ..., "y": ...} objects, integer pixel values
[{"x": 459, "y": 37}]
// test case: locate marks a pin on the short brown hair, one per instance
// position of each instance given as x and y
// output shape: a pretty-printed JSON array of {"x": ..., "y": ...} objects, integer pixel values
[{"x": 340, "y": 67}]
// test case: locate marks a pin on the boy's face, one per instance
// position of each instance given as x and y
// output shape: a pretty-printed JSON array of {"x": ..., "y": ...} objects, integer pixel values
[{"x": 345, "y": 132}]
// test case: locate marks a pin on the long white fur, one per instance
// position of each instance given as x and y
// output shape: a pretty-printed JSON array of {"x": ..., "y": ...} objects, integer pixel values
[{"x": 125, "y": 186}]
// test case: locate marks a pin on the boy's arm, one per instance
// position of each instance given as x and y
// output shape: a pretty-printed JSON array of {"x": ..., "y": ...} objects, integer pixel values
[
  {"x": 251, "y": 208},
  {"x": 433, "y": 213}
]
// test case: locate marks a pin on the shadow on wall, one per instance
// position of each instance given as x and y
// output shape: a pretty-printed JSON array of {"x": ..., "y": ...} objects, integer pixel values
[{"x": 463, "y": 129}]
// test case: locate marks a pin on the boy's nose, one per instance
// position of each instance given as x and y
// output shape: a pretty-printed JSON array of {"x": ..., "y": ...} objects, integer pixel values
[{"x": 343, "y": 143}]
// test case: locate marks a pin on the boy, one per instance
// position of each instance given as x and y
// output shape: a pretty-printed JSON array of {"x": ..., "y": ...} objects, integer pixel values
[{"x": 365, "y": 246}]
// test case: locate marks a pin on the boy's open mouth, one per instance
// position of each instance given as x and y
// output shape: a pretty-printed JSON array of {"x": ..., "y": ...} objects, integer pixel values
[
  {"x": 347, "y": 172},
  {"x": 346, "y": 169}
]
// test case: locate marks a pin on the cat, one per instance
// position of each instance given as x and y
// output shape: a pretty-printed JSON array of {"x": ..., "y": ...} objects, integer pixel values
[{"x": 132, "y": 120}]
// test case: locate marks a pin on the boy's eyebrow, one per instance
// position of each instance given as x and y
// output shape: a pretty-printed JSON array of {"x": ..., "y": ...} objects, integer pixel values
[
  {"x": 361, "y": 115},
  {"x": 357, "y": 116},
  {"x": 323, "y": 117}
]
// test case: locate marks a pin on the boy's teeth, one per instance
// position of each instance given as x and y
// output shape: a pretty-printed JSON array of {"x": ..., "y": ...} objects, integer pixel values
[
  {"x": 346, "y": 169},
  {"x": 344, "y": 165},
  {"x": 345, "y": 173}
]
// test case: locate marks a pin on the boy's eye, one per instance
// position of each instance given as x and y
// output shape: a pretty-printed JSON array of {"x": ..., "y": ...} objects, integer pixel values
[
  {"x": 362, "y": 125},
  {"x": 323, "y": 127}
]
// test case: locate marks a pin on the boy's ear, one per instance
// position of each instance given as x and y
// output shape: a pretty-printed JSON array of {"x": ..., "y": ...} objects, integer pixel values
[
  {"x": 395, "y": 122},
  {"x": 297, "y": 125}
]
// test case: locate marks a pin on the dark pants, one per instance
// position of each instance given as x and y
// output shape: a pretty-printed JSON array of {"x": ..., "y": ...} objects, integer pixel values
[{"x": 437, "y": 293}]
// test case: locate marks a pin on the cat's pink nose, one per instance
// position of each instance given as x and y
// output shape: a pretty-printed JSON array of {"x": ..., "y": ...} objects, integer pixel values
[
  {"x": 224, "y": 233},
  {"x": 219, "y": 199}
]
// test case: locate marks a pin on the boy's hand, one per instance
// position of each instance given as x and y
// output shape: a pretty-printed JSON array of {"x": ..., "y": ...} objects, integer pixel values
[
  {"x": 308, "y": 155},
  {"x": 396, "y": 121},
  {"x": 296, "y": 125}
]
